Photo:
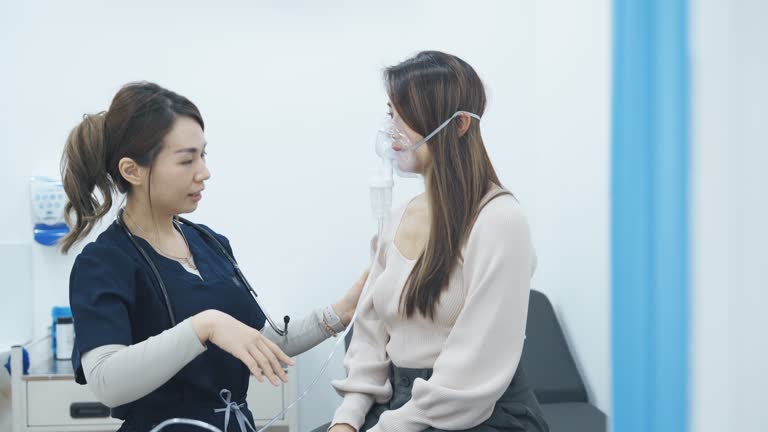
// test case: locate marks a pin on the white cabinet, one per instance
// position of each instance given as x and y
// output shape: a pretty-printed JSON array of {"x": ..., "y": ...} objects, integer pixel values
[{"x": 51, "y": 403}]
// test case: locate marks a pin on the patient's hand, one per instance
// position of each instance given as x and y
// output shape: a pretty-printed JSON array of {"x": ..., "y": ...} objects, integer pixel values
[
  {"x": 342, "y": 427},
  {"x": 345, "y": 307}
]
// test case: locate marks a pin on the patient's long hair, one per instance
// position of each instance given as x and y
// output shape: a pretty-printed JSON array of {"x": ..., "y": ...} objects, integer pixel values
[
  {"x": 426, "y": 90},
  {"x": 140, "y": 116}
]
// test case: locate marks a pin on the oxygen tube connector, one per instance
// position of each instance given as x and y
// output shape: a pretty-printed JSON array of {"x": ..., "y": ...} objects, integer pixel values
[{"x": 381, "y": 183}]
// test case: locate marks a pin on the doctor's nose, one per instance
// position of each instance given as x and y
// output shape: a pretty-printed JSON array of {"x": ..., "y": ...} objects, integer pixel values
[{"x": 203, "y": 175}]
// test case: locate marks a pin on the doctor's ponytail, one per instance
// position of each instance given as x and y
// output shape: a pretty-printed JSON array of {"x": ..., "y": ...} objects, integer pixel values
[{"x": 83, "y": 172}]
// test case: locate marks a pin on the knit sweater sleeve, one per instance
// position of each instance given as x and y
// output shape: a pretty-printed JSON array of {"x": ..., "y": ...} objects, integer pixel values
[{"x": 366, "y": 361}]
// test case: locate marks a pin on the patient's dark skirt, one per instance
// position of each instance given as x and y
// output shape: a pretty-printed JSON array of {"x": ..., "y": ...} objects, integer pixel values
[{"x": 516, "y": 410}]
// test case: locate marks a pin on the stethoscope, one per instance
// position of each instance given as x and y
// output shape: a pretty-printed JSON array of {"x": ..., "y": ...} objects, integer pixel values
[{"x": 210, "y": 237}]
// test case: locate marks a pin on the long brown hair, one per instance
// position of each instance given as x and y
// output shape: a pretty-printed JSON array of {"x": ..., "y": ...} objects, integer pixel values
[
  {"x": 426, "y": 90},
  {"x": 140, "y": 116}
]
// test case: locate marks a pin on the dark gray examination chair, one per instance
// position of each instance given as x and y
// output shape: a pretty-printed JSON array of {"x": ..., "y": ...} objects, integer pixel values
[{"x": 552, "y": 373}]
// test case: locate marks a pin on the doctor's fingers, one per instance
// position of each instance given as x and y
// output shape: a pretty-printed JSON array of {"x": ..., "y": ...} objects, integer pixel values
[
  {"x": 273, "y": 355},
  {"x": 245, "y": 356},
  {"x": 272, "y": 352},
  {"x": 281, "y": 356},
  {"x": 261, "y": 355}
]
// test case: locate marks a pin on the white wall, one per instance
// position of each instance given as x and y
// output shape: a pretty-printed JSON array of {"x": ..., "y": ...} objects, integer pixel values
[
  {"x": 570, "y": 206},
  {"x": 291, "y": 95},
  {"x": 729, "y": 298}
]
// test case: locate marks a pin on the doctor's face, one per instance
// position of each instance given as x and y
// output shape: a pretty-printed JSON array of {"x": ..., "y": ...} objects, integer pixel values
[{"x": 179, "y": 171}]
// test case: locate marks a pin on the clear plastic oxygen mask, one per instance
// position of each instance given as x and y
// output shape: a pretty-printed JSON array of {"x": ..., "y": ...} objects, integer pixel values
[{"x": 381, "y": 180}]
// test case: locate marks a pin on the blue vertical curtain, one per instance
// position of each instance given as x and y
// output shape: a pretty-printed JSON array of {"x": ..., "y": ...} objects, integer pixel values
[{"x": 650, "y": 215}]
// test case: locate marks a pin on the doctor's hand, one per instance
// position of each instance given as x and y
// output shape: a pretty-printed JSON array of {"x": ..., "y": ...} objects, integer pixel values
[
  {"x": 247, "y": 344},
  {"x": 345, "y": 307}
]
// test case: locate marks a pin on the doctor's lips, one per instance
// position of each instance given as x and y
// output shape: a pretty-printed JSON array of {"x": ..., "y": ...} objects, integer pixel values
[{"x": 197, "y": 195}]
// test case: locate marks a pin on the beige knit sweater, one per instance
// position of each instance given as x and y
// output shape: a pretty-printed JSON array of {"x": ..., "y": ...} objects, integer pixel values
[{"x": 474, "y": 343}]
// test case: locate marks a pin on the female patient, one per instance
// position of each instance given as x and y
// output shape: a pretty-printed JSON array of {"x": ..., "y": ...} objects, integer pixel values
[{"x": 441, "y": 328}]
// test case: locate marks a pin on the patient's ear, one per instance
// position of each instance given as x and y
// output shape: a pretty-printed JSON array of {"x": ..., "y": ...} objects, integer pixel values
[{"x": 465, "y": 120}]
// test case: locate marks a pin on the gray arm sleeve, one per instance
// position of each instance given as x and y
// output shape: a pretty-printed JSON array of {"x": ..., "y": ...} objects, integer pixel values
[
  {"x": 303, "y": 335},
  {"x": 112, "y": 370}
]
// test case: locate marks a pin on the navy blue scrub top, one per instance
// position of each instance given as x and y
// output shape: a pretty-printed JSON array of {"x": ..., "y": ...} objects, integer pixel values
[{"x": 116, "y": 300}]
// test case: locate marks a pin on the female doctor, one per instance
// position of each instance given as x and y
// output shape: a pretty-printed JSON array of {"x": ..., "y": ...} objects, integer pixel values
[{"x": 166, "y": 324}]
